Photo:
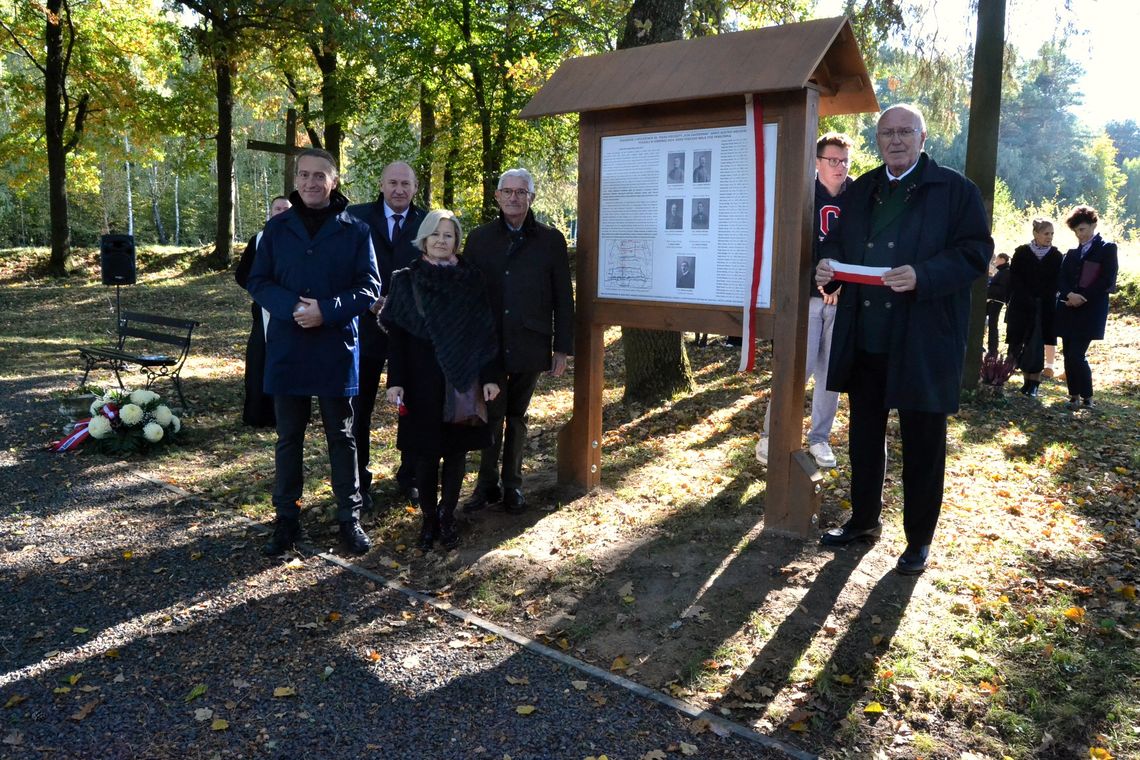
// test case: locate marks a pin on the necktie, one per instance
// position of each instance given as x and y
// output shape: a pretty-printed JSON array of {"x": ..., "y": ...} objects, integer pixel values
[{"x": 396, "y": 226}]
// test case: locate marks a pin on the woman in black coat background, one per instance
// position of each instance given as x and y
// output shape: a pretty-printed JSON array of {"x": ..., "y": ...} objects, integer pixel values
[
  {"x": 257, "y": 411},
  {"x": 441, "y": 339},
  {"x": 1032, "y": 303},
  {"x": 1088, "y": 275}
]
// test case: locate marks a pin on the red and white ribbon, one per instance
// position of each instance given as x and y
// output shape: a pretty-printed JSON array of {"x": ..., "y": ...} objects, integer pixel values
[
  {"x": 859, "y": 274},
  {"x": 754, "y": 117},
  {"x": 78, "y": 436}
]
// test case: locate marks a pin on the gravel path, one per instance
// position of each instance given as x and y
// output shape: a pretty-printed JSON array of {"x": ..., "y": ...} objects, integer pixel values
[{"x": 140, "y": 623}]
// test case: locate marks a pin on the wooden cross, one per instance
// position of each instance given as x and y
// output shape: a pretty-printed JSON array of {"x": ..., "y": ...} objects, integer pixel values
[{"x": 290, "y": 149}]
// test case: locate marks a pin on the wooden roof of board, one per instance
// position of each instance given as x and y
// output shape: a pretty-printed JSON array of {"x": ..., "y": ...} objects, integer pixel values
[{"x": 822, "y": 53}]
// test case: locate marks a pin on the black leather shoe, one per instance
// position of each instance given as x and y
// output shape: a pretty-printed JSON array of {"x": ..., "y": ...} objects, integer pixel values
[
  {"x": 354, "y": 538},
  {"x": 846, "y": 535},
  {"x": 448, "y": 533},
  {"x": 913, "y": 560},
  {"x": 286, "y": 531},
  {"x": 514, "y": 503},
  {"x": 411, "y": 493},
  {"x": 428, "y": 531},
  {"x": 482, "y": 498}
]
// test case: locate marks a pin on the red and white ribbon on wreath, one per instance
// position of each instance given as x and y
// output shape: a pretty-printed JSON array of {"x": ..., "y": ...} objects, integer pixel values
[
  {"x": 78, "y": 436},
  {"x": 754, "y": 118}
]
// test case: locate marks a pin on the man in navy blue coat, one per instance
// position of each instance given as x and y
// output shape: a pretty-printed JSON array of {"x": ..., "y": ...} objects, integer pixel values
[
  {"x": 315, "y": 272},
  {"x": 394, "y": 221},
  {"x": 900, "y": 343}
]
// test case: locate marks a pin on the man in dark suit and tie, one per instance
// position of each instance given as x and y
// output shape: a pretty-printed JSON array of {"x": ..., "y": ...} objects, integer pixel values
[{"x": 394, "y": 221}]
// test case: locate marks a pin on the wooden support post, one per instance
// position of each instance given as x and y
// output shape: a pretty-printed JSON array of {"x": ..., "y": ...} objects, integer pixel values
[{"x": 792, "y": 500}]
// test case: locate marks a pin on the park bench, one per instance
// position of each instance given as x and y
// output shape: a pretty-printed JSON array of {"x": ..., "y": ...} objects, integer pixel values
[{"x": 158, "y": 345}]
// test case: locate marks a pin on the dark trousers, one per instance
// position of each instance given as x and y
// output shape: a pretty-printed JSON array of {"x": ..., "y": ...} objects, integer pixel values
[
  {"x": 509, "y": 408},
  {"x": 1078, "y": 373},
  {"x": 924, "y": 454},
  {"x": 293, "y": 413},
  {"x": 431, "y": 478},
  {"x": 371, "y": 367},
  {"x": 993, "y": 311}
]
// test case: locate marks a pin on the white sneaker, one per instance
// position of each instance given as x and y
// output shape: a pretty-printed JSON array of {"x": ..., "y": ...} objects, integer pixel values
[
  {"x": 821, "y": 452},
  {"x": 762, "y": 451}
]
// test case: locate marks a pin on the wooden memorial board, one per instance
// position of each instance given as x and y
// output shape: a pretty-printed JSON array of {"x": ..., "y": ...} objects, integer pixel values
[{"x": 642, "y": 112}]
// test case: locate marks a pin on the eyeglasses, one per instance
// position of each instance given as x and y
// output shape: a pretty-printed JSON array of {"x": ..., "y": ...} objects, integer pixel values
[
  {"x": 509, "y": 192},
  {"x": 902, "y": 134},
  {"x": 834, "y": 162}
]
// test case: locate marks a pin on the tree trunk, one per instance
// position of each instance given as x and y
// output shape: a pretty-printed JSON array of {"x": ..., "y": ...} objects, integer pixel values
[
  {"x": 656, "y": 363},
  {"x": 130, "y": 195},
  {"x": 222, "y": 256},
  {"x": 177, "y": 213},
  {"x": 452, "y": 159},
  {"x": 428, "y": 129},
  {"x": 490, "y": 160},
  {"x": 155, "y": 211},
  {"x": 651, "y": 21},
  {"x": 105, "y": 196},
  {"x": 330, "y": 95},
  {"x": 237, "y": 203},
  {"x": 55, "y": 120},
  {"x": 981, "y": 154}
]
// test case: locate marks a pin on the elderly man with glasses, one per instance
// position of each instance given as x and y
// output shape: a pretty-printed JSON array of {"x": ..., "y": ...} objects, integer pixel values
[
  {"x": 900, "y": 329},
  {"x": 527, "y": 271}
]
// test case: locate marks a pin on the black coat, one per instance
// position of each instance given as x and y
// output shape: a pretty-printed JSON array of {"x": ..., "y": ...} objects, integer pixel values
[
  {"x": 528, "y": 281},
  {"x": 438, "y": 317},
  {"x": 1086, "y": 322},
  {"x": 998, "y": 288},
  {"x": 391, "y": 255},
  {"x": 944, "y": 234},
  {"x": 1032, "y": 295}
]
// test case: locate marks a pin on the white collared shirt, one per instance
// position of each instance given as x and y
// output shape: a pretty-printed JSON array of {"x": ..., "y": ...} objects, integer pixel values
[
  {"x": 389, "y": 213},
  {"x": 893, "y": 177}
]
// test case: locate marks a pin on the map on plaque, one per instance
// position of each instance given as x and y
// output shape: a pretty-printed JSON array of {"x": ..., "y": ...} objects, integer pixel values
[{"x": 678, "y": 216}]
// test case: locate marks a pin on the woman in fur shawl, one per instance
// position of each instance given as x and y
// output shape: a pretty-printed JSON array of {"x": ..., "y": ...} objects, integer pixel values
[{"x": 442, "y": 356}]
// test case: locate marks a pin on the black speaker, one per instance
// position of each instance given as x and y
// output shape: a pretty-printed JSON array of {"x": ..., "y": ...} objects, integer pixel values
[{"x": 117, "y": 259}]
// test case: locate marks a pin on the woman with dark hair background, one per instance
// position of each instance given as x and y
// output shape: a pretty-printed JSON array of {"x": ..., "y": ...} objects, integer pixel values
[
  {"x": 1032, "y": 301},
  {"x": 1088, "y": 275}
]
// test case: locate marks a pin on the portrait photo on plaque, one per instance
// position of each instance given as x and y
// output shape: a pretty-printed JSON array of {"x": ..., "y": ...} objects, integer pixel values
[
  {"x": 686, "y": 272},
  {"x": 675, "y": 172},
  {"x": 700, "y": 220},
  {"x": 702, "y": 166}
]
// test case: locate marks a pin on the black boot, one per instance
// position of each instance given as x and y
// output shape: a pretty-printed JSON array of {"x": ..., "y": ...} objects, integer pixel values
[
  {"x": 286, "y": 531},
  {"x": 353, "y": 537},
  {"x": 430, "y": 528},
  {"x": 448, "y": 535}
]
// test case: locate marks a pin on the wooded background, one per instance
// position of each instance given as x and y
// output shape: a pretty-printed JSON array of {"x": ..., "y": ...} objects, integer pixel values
[{"x": 141, "y": 102}]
